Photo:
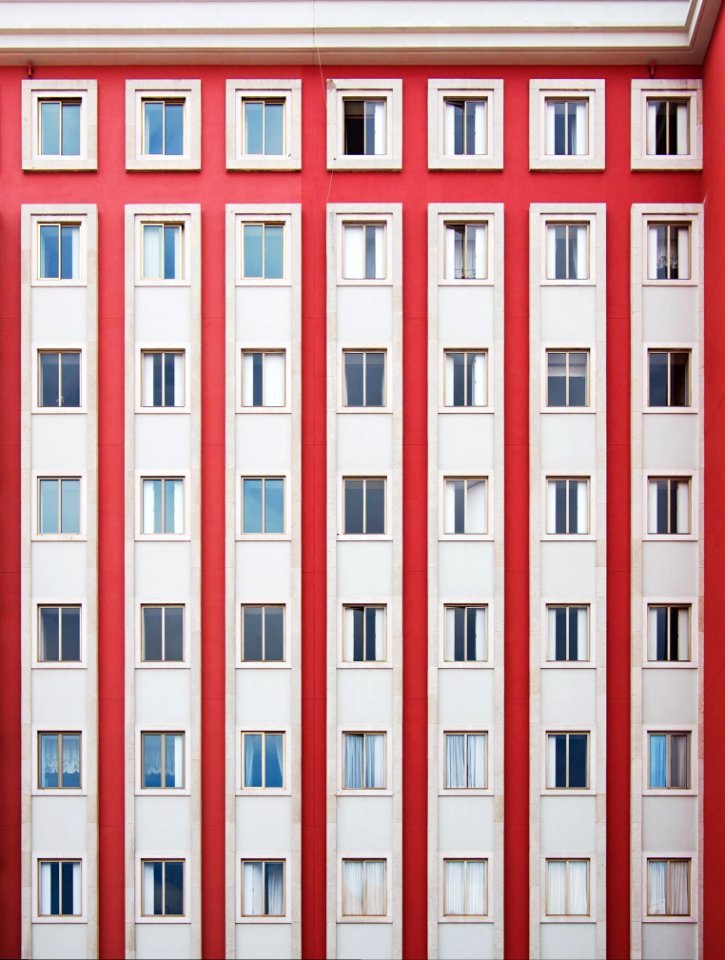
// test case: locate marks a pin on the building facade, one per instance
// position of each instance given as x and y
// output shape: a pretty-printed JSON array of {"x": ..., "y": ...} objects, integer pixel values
[{"x": 361, "y": 378}]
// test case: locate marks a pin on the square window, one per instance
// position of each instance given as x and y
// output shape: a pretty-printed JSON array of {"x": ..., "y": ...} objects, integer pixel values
[
  {"x": 364, "y": 128},
  {"x": 263, "y": 888},
  {"x": 668, "y": 633},
  {"x": 668, "y": 888},
  {"x": 567, "y": 509},
  {"x": 162, "y": 888},
  {"x": 363, "y": 634},
  {"x": 466, "y": 251},
  {"x": 59, "y": 379},
  {"x": 59, "y": 634},
  {"x": 59, "y": 251},
  {"x": 567, "y": 761},
  {"x": 263, "y": 124},
  {"x": 567, "y": 632},
  {"x": 567, "y": 251},
  {"x": 466, "y": 633},
  {"x": 162, "y": 378},
  {"x": 162, "y": 633},
  {"x": 668, "y": 251},
  {"x": 162, "y": 761},
  {"x": 466, "y": 506},
  {"x": 364, "y": 251},
  {"x": 163, "y": 124},
  {"x": 364, "y": 888},
  {"x": 363, "y": 761},
  {"x": 162, "y": 256},
  {"x": 364, "y": 381},
  {"x": 466, "y": 759},
  {"x": 163, "y": 505},
  {"x": 262, "y": 251},
  {"x": 263, "y": 634},
  {"x": 465, "y": 124},
  {"x": 59, "y": 888},
  {"x": 668, "y": 506},
  {"x": 465, "y": 888},
  {"x": 59, "y": 124},
  {"x": 59, "y": 506},
  {"x": 263, "y": 760},
  {"x": 669, "y": 761},
  {"x": 666, "y": 124},
  {"x": 163, "y": 127},
  {"x": 669, "y": 378},
  {"x": 59, "y": 761},
  {"x": 566, "y": 124},
  {"x": 263, "y": 378},
  {"x": 364, "y": 505},
  {"x": 567, "y": 378},
  {"x": 567, "y": 888},
  {"x": 263, "y": 505},
  {"x": 465, "y": 378}
]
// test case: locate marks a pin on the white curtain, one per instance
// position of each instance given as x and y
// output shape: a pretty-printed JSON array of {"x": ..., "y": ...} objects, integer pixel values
[
  {"x": 353, "y": 887},
  {"x": 275, "y": 889},
  {"x": 451, "y": 238},
  {"x": 378, "y": 108},
  {"x": 379, "y": 234},
  {"x": 450, "y": 627},
  {"x": 578, "y": 113},
  {"x": 657, "y": 761},
  {"x": 450, "y": 506},
  {"x": 578, "y": 235},
  {"x": 551, "y": 251},
  {"x": 375, "y": 761},
  {"x": 455, "y": 887},
  {"x": 578, "y": 887},
  {"x": 148, "y": 889},
  {"x": 455, "y": 760},
  {"x": 248, "y": 379},
  {"x": 75, "y": 234},
  {"x": 652, "y": 490},
  {"x": 476, "y": 760},
  {"x": 551, "y": 506},
  {"x": 582, "y": 506},
  {"x": 76, "y": 888},
  {"x": 653, "y": 243},
  {"x": 449, "y": 123},
  {"x": 652, "y": 127},
  {"x": 476, "y": 888},
  {"x": 476, "y": 506},
  {"x": 679, "y": 888},
  {"x": 178, "y": 518},
  {"x": 478, "y": 375},
  {"x": 683, "y": 633},
  {"x": 153, "y": 251},
  {"x": 273, "y": 745},
  {"x": 178, "y": 754},
  {"x": 479, "y": 625},
  {"x": 274, "y": 380},
  {"x": 353, "y": 761},
  {"x": 349, "y": 634},
  {"x": 353, "y": 251},
  {"x": 556, "y": 888},
  {"x": 683, "y": 128},
  {"x": 179, "y": 380},
  {"x": 551, "y": 741},
  {"x": 683, "y": 506},
  {"x": 45, "y": 888},
  {"x": 683, "y": 253},
  {"x": 657, "y": 887},
  {"x": 379, "y": 621},
  {"x": 375, "y": 888},
  {"x": 147, "y": 378},
  {"x": 551, "y": 128},
  {"x": 582, "y": 646},
  {"x": 151, "y": 506},
  {"x": 71, "y": 756},
  {"x": 476, "y": 251},
  {"x": 253, "y": 893},
  {"x": 479, "y": 114}
]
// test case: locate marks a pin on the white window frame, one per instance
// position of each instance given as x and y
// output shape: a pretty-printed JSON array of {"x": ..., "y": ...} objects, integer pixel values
[
  {"x": 38, "y": 603},
  {"x": 590, "y": 480},
  {"x": 488, "y": 606},
  {"x": 488, "y": 533},
  {"x": 488, "y": 733},
  {"x": 542, "y": 92},
  {"x": 487, "y": 917},
  {"x": 387, "y": 790},
  {"x": 589, "y": 917},
  {"x": 183, "y": 220},
  {"x": 263, "y": 857},
  {"x": 387, "y": 352},
  {"x": 590, "y": 351},
  {"x": 391, "y": 91},
  {"x": 184, "y": 663},
  {"x": 388, "y": 613},
  {"x": 693, "y": 759},
  {"x": 691, "y": 477},
  {"x": 286, "y": 350},
  {"x": 385, "y": 476},
  {"x": 43, "y": 857},
  {"x": 49, "y": 728},
  {"x": 264, "y": 728},
  {"x": 290, "y": 93},
  {"x": 63, "y": 219},
  {"x": 140, "y": 790},
  {"x": 185, "y": 477},
  {"x": 152, "y": 856},
  {"x": 574, "y": 219},
  {"x": 137, "y": 91},
  {"x": 284, "y": 664},
  {"x": 144, "y": 348},
  {"x": 566, "y": 729},
  {"x": 36, "y": 349},
  {"x": 440, "y": 90},
  {"x": 363, "y": 917},
  {"x": 35, "y": 91},
  {"x": 281, "y": 219},
  {"x": 669, "y": 601},
  {"x": 653, "y": 89},
  {"x": 587, "y": 664},
  {"x": 36, "y": 477}
]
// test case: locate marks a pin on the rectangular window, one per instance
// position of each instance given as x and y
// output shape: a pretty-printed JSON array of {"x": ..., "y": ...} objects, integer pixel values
[
  {"x": 59, "y": 888},
  {"x": 162, "y": 251},
  {"x": 262, "y": 634},
  {"x": 466, "y": 761},
  {"x": 363, "y": 761},
  {"x": 465, "y": 884},
  {"x": 466, "y": 251},
  {"x": 668, "y": 251},
  {"x": 263, "y": 378},
  {"x": 263, "y": 124},
  {"x": 466, "y": 508},
  {"x": 263, "y": 505},
  {"x": 364, "y": 378},
  {"x": 466, "y": 378},
  {"x": 567, "y": 632},
  {"x": 465, "y": 127},
  {"x": 59, "y": 634},
  {"x": 669, "y": 761},
  {"x": 364, "y": 634},
  {"x": 668, "y": 127},
  {"x": 363, "y": 251},
  {"x": 162, "y": 376},
  {"x": 59, "y": 249},
  {"x": 668, "y": 505},
  {"x": 263, "y": 893},
  {"x": 567, "y": 761},
  {"x": 163, "y": 505},
  {"x": 567, "y": 251},
  {"x": 365, "y": 127},
  {"x": 668, "y": 888},
  {"x": 59, "y": 378},
  {"x": 364, "y": 506},
  {"x": 60, "y": 128},
  {"x": 466, "y": 634},
  {"x": 567, "y": 378},
  {"x": 59, "y": 761},
  {"x": 59, "y": 505},
  {"x": 263, "y": 761},
  {"x": 567, "y": 506},
  {"x": 567, "y": 888},
  {"x": 567, "y": 128},
  {"x": 162, "y": 761},
  {"x": 163, "y": 888},
  {"x": 163, "y": 127},
  {"x": 668, "y": 633},
  {"x": 163, "y": 633},
  {"x": 669, "y": 378},
  {"x": 263, "y": 251},
  {"x": 364, "y": 888}
]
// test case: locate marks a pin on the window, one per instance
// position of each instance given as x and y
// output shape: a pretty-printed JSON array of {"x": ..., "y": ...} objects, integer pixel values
[
  {"x": 466, "y": 761},
  {"x": 363, "y": 251},
  {"x": 162, "y": 251},
  {"x": 364, "y": 888},
  {"x": 567, "y": 251},
  {"x": 567, "y": 761},
  {"x": 466, "y": 246},
  {"x": 668, "y": 633},
  {"x": 60, "y": 634},
  {"x": 263, "y": 127},
  {"x": 263, "y": 378},
  {"x": 60, "y": 127},
  {"x": 363, "y": 761},
  {"x": 262, "y": 634},
  {"x": 567, "y": 633},
  {"x": 59, "y": 888},
  {"x": 163, "y": 127},
  {"x": 567, "y": 124},
  {"x": 465, "y": 884},
  {"x": 163, "y": 505},
  {"x": 365, "y": 125},
  {"x": 669, "y": 378},
  {"x": 465, "y": 378},
  {"x": 668, "y": 127},
  {"x": 162, "y": 377},
  {"x": 59, "y": 761},
  {"x": 59, "y": 505},
  {"x": 263, "y": 505},
  {"x": 59, "y": 378},
  {"x": 466, "y": 506},
  {"x": 364, "y": 129},
  {"x": 364, "y": 378},
  {"x": 464, "y": 128},
  {"x": 263, "y": 893},
  {"x": 162, "y": 761},
  {"x": 59, "y": 246},
  {"x": 567, "y": 378},
  {"x": 163, "y": 888},
  {"x": 666, "y": 124},
  {"x": 567, "y": 506},
  {"x": 567, "y": 888},
  {"x": 669, "y": 761},
  {"x": 466, "y": 633},
  {"x": 263, "y": 761},
  {"x": 162, "y": 633},
  {"x": 668, "y": 888},
  {"x": 364, "y": 634},
  {"x": 364, "y": 506},
  {"x": 668, "y": 505},
  {"x": 163, "y": 124},
  {"x": 59, "y": 124},
  {"x": 263, "y": 124},
  {"x": 668, "y": 251},
  {"x": 263, "y": 251}
]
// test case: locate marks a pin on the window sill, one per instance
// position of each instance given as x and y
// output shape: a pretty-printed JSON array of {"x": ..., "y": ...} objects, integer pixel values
[
  {"x": 59, "y": 665},
  {"x": 58, "y": 284},
  {"x": 58, "y": 411},
  {"x": 364, "y": 538},
  {"x": 464, "y": 792},
  {"x": 669, "y": 665},
  {"x": 568, "y": 538},
  {"x": 364, "y": 162},
  {"x": 56, "y": 163},
  {"x": 569, "y": 411},
  {"x": 667, "y": 162},
  {"x": 259, "y": 410},
  {"x": 568, "y": 919},
  {"x": 163, "y": 537},
  {"x": 568, "y": 792},
  {"x": 164, "y": 920},
  {"x": 159, "y": 792},
  {"x": 59, "y": 538},
  {"x": 263, "y": 665},
  {"x": 248, "y": 792},
  {"x": 670, "y": 792},
  {"x": 265, "y": 162},
  {"x": 59, "y": 792},
  {"x": 678, "y": 411},
  {"x": 157, "y": 162},
  {"x": 343, "y": 918},
  {"x": 361, "y": 282},
  {"x": 465, "y": 665},
  {"x": 162, "y": 284},
  {"x": 162, "y": 665},
  {"x": 261, "y": 282},
  {"x": 165, "y": 411},
  {"x": 342, "y": 792},
  {"x": 669, "y": 538},
  {"x": 261, "y": 919},
  {"x": 60, "y": 919},
  {"x": 666, "y": 919},
  {"x": 568, "y": 163},
  {"x": 553, "y": 282},
  {"x": 467, "y": 410},
  {"x": 568, "y": 665},
  {"x": 366, "y": 411},
  {"x": 364, "y": 665},
  {"x": 466, "y": 537},
  {"x": 479, "y": 161},
  {"x": 463, "y": 283},
  {"x": 651, "y": 282},
  {"x": 263, "y": 538},
  {"x": 478, "y": 918}
]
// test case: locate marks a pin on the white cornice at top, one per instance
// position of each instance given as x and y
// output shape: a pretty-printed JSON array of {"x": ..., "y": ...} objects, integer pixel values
[{"x": 354, "y": 31}]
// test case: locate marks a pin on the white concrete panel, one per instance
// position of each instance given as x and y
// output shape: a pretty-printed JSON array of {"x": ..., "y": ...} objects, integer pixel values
[
  {"x": 263, "y": 825},
  {"x": 568, "y": 823},
  {"x": 669, "y": 824},
  {"x": 670, "y": 314},
  {"x": 60, "y": 941},
  {"x": 365, "y": 823},
  {"x": 465, "y": 315},
  {"x": 163, "y": 571},
  {"x": 273, "y": 941},
  {"x": 466, "y": 941},
  {"x": 569, "y": 442},
  {"x": 568, "y": 941},
  {"x": 163, "y": 697},
  {"x": 669, "y": 569},
  {"x": 163, "y": 823},
  {"x": 59, "y": 698},
  {"x": 568, "y": 315},
  {"x": 568, "y": 696},
  {"x": 669, "y": 696},
  {"x": 364, "y": 569},
  {"x": 669, "y": 941},
  {"x": 466, "y": 823},
  {"x": 58, "y": 443},
  {"x": 263, "y": 443},
  {"x": 466, "y": 569},
  {"x": 263, "y": 696},
  {"x": 465, "y": 443},
  {"x": 60, "y": 825},
  {"x": 465, "y": 698},
  {"x": 59, "y": 569},
  {"x": 264, "y": 316},
  {"x": 365, "y": 698},
  {"x": 670, "y": 441},
  {"x": 364, "y": 442},
  {"x": 59, "y": 315},
  {"x": 163, "y": 315},
  {"x": 163, "y": 441},
  {"x": 263, "y": 571},
  {"x": 163, "y": 941},
  {"x": 364, "y": 316},
  {"x": 364, "y": 941},
  {"x": 568, "y": 570}
]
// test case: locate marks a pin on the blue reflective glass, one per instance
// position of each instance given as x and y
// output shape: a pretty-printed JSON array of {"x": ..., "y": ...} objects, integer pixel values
[
  {"x": 274, "y": 129},
  {"x": 274, "y": 506},
  {"x": 153, "y": 127},
  {"x": 55, "y": 888},
  {"x": 152, "y": 760},
  {"x": 70, "y": 506},
  {"x": 174, "y": 901},
  {"x": 253, "y": 249},
  {"x": 254, "y": 126},
  {"x": 49, "y": 127},
  {"x": 172, "y": 246},
  {"x": 252, "y": 509},
  {"x": 657, "y": 762},
  {"x": 67, "y": 887},
  {"x": 273, "y": 760},
  {"x": 274, "y": 252},
  {"x": 49, "y": 251},
  {"x": 253, "y": 760},
  {"x": 48, "y": 507},
  {"x": 69, "y": 238},
  {"x": 174, "y": 130},
  {"x": 71, "y": 130}
]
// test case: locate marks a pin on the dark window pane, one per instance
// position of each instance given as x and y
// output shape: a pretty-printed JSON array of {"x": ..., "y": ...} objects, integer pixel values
[
  {"x": 174, "y": 889},
  {"x": 578, "y": 760},
  {"x": 657, "y": 379},
  {"x": 661, "y": 628},
  {"x": 459, "y": 633},
  {"x": 252, "y": 633},
  {"x": 274, "y": 506},
  {"x": 560, "y": 768},
  {"x": 573, "y": 507},
  {"x": 557, "y": 380},
  {"x": 49, "y": 386},
  {"x": 661, "y": 128},
  {"x": 560, "y": 626},
  {"x": 70, "y": 633},
  {"x": 560, "y": 519},
  {"x": 375, "y": 506},
  {"x": 169, "y": 359},
  {"x": 679, "y": 380},
  {"x": 257, "y": 380},
  {"x": 374, "y": 379},
  {"x": 560, "y": 253},
  {"x": 354, "y": 379},
  {"x": 577, "y": 379},
  {"x": 274, "y": 633},
  {"x": 471, "y": 613},
  {"x": 274, "y": 759},
  {"x": 253, "y": 249},
  {"x": 459, "y": 377},
  {"x": 49, "y": 251},
  {"x": 560, "y": 128},
  {"x": 354, "y": 506},
  {"x": 67, "y": 235},
  {"x": 252, "y": 506},
  {"x": 574, "y": 633},
  {"x": 152, "y": 633},
  {"x": 174, "y": 633},
  {"x": 459, "y": 508},
  {"x": 354, "y": 127},
  {"x": 470, "y": 117},
  {"x": 55, "y": 889},
  {"x": 662, "y": 513},
  {"x": 67, "y": 887},
  {"x": 458, "y": 107},
  {"x": 158, "y": 888},
  {"x": 49, "y": 642},
  {"x": 70, "y": 365},
  {"x": 358, "y": 633}
]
